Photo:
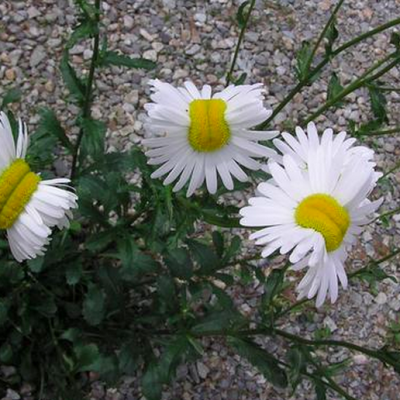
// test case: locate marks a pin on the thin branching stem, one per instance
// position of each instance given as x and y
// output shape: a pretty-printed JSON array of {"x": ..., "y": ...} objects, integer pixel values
[
  {"x": 239, "y": 43},
  {"x": 357, "y": 84},
  {"x": 382, "y": 132},
  {"x": 386, "y": 214},
  {"x": 323, "y": 33},
  {"x": 314, "y": 72},
  {"x": 86, "y": 109},
  {"x": 391, "y": 170}
]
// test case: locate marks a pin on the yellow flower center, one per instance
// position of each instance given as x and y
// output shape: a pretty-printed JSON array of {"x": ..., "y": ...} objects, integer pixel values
[
  {"x": 325, "y": 215},
  {"x": 208, "y": 129},
  {"x": 17, "y": 185}
]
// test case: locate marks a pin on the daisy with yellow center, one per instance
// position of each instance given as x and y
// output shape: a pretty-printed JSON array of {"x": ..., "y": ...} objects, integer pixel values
[
  {"x": 29, "y": 206},
  {"x": 315, "y": 206},
  {"x": 202, "y": 136}
]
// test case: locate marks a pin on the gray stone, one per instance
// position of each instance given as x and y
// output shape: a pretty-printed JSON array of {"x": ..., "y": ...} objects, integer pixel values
[{"x": 38, "y": 55}]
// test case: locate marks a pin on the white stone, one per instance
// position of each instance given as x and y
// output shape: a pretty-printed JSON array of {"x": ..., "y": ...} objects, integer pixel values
[{"x": 381, "y": 298}]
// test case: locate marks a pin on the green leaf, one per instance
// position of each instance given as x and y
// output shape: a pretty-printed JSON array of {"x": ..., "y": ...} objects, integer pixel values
[
  {"x": 93, "y": 305},
  {"x": 87, "y": 356},
  {"x": 378, "y": 104},
  {"x": 273, "y": 285},
  {"x": 151, "y": 382},
  {"x": 6, "y": 353},
  {"x": 297, "y": 363},
  {"x": 240, "y": 81},
  {"x": 128, "y": 358},
  {"x": 75, "y": 86},
  {"x": 261, "y": 359},
  {"x": 219, "y": 321},
  {"x": 88, "y": 10},
  {"x": 334, "y": 88},
  {"x": 3, "y": 312},
  {"x": 240, "y": 17},
  {"x": 331, "y": 35},
  {"x": 85, "y": 30},
  {"x": 113, "y": 58},
  {"x": 94, "y": 133},
  {"x": 320, "y": 390},
  {"x": 395, "y": 40},
  {"x": 303, "y": 61},
  {"x": 49, "y": 125},
  {"x": 11, "y": 96},
  {"x": 233, "y": 248},
  {"x": 218, "y": 241},
  {"x": 36, "y": 265},
  {"x": 73, "y": 272},
  {"x": 205, "y": 257},
  {"x": 134, "y": 262},
  {"x": 179, "y": 263}
]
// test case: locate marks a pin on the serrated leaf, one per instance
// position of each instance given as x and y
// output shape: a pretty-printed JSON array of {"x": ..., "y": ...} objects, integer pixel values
[
  {"x": 218, "y": 241},
  {"x": 11, "y": 96},
  {"x": 378, "y": 104},
  {"x": 49, "y": 125},
  {"x": 334, "y": 88},
  {"x": 85, "y": 30},
  {"x": 273, "y": 285},
  {"x": 260, "y": 359},
  {"x": 113, "y": 58},
  {"x": 94, "y": 133},
  {"x": 73, "y": 273},
  {"x": 87, "y": 356},
  {"x": 240, "y": 17},
  {"x": 179, "y": 263},
  {"x": 204, "y": 256},
  {"x": 151, "y": 382},
  {"x": 297, "y": 363},
  {"x": 93, "y": 305},
  {"x": 331, "y": 35},
  {"x": 303, "y": 58},
  {"x": 36, "y": 265},
  {"x": 3, "y": 312},
  {"x": 233, "y": 248},
  {"x": 395, "y": 40},
  {"x": 134, "y": 262},
  {"x": 74, "y": 84},
  {"x": 6, "y": 353},
  {"x": 128, "y": 358}
]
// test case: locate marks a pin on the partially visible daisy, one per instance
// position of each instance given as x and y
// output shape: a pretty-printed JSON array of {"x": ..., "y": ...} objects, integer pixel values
[
  {"x": 29, "y": 206},
  {"x": 315, "y": 206},
  {"x": 205, "y": 135}
]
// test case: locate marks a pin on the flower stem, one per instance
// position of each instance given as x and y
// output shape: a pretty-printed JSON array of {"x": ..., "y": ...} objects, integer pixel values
[
  {"x": 86, "y": 109},
  {"x": 239, "y": 43},
  {"x": 358, "y": 83},
  {"x": 297, "y": 89},
  {"x": 323, "y": 33},
  {"x": 383, "y": 132}
]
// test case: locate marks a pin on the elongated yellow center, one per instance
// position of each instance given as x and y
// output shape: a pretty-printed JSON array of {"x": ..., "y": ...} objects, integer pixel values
[
  {"x": 325, "y": 215},
  {"x": 17, "y": 185},
  {"x": 208, "y": 129}
]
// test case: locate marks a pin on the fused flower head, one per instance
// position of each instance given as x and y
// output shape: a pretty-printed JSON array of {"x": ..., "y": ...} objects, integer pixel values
[
  {"x": 29, "y": 206},
  {"x": 315, "y": 206},
  {"x": 205, "y": 135}
]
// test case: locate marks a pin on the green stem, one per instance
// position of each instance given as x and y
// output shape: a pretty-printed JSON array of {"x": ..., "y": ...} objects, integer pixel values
[
  {"x": 391, "y": 170},
  {"x": 239, "y": 43},
  {"x": 322, "y": 64},
  {"x": 86, "y": 109},
  {"x": 358, "y": 83},
  {"x": 386, "y": 214},
  {"x": 323, "y": 33},
  {"x": 380, "y": 132},
  {"x": 374, "y": 263}
]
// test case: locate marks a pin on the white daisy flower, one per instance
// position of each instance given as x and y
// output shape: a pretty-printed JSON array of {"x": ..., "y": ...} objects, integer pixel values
[
  {"x": 205, "y": 135},
  {"x": 315, "y": 206},
  {"x": 29, "y": 206}
]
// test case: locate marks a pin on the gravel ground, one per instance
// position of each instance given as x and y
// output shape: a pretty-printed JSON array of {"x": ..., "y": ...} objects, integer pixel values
[{"x": 194, "y": 39}]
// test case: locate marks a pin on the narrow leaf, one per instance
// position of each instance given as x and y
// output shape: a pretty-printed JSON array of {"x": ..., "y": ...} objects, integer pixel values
[
  {"x": 240, "y": 17},
  {"x": 113, "y": 58}
]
